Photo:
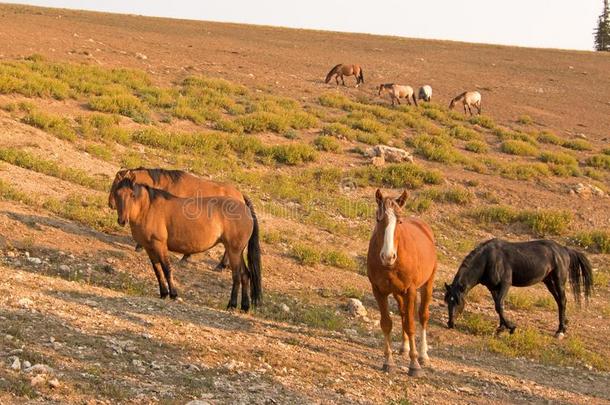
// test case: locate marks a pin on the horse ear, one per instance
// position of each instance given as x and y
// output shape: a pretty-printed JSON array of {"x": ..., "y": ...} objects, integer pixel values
[
  {"x": 378, "y": 196},
  {"x": 402, "y": 200},
  {"x": 130, "y": 175},
  {"x": 447, "y": 287}
]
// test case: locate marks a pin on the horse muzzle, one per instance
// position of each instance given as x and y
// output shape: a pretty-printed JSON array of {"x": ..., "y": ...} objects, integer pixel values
[
  {"x": 388, "y": 260},
  {"x": 122, "y": 222}
]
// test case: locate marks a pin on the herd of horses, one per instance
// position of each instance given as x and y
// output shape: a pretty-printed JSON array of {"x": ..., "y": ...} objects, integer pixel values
[
  {"x": 175, "y": 211},
  {"x": 469, "y": 99}
]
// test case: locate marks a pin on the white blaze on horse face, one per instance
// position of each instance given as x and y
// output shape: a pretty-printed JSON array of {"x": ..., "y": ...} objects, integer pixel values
[{"x": 388, "y": 251}]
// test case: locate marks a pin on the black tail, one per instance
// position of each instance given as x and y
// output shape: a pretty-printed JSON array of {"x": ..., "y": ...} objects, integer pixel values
[
  {"x": 254, "y": 258},
  {"x": 414, "y": 99},
  {"x": 580, "y": 273},
  {"x": 361, "y": 76},
  {"x": 330, "y": 74}
]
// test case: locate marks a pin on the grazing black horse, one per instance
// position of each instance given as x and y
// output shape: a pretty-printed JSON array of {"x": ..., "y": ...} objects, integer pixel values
[{"x": 498, "y": 264}]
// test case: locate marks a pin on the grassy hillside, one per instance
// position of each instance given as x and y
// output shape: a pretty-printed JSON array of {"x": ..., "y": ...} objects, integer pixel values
[{"x": 69, "y": 122}]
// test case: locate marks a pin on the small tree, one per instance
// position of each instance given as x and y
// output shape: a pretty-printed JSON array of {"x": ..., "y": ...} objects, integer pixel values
[{"x": 602, "y": 32}]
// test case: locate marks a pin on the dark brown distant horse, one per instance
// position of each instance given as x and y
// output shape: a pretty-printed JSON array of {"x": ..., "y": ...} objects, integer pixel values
[
  {"x": 161, "y": 223},
  {"x": 345, "y": 70},
  {"x": 178, "y": 183},
  {"x": 402, "y": 259}
]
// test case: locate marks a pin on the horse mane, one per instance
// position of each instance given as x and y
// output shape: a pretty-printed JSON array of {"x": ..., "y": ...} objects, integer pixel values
[
  {"x": 467, "y": 262},
  {"x": 329, "y": 75},
  {"x": 153, "y": 193},
  {"x": 460, "y": 96},
  {"x": 155, "y": 174}
]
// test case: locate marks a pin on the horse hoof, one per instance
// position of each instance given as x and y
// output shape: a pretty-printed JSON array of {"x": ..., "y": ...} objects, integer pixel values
[
  {"x": 512, "y": 329},
  {"x": 560, "y": 335},
  {"x": 163, "y": 295},
  {"x": 415, "y": 372},
  {"x": 386, "y": 368},
  {"x": 219, "y": 268},
  {"x": 424, "y": 361}
]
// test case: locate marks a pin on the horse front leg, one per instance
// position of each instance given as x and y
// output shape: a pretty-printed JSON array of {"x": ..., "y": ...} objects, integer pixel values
[
  {"x": 499, "y": 294},
  {"x": 414, "y": 367},
  {"x": 404, "y": 347},
  {"x": 386, "y": 328},
  {"x": 156, "y": 265},
  {"x": 167, "y": 271}
]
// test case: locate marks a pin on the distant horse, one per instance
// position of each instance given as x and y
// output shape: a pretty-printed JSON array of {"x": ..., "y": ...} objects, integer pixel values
[
  {"x": 425, "y": 93},
  {"x": 180, "y": 184},
  {"x": 397, "y": 92},
  {"x": 498, "y": 264},
  {"x": 469, "y": 99},
  {"x": 345, "y": 70},
  {"x": 161, "y": 223},
  {"x": 402, "y": 259}
]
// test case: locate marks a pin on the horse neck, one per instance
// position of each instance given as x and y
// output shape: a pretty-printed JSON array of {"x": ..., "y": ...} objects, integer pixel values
[{"x": 468, "y": 276}]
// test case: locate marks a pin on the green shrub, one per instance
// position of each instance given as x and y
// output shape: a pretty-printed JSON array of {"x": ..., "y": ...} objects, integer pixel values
[
  {"x": 524, "y": 171},
  {"x": 463, "y": 133},
  {"x": 338, "y": 130},
  {"x": 124, "y": 104},
  {"x": 293, "y": 154},
  {"x": 335, "y": 100},
  {"x": 539, "y": 222},
  {"x": 396, "y": 175},
  {"x": 477, "y": 146},
  {"x": 596, "y": 241},
  {"x": 599, "y": 161},
  {"x": 263, "y": 121},
  {"x": 520, "y": 148},
  {"x": 484, "y": 121},
  {"x": 525, "y": 120},
  {"x": 577, "y": 144},
  {"x": 60, "y": 127},
  {"x": 306, "y": 255},
  {"x": 338, "y": 259},
  {"x": 549, "y": 137},
  {"x": 559, "y": 158},
  {"x": 327, "y": 144}
]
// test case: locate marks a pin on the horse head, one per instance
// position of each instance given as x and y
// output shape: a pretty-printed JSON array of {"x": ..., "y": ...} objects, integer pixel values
[
  {"x": 126, "y": 194},
  {"x": 455, "y": 300},
  {"x": 389, "y": 213}
]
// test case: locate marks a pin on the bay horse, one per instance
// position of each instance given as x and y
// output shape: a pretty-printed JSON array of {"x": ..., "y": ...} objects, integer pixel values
[
  {"x": 179, "y": 184},
  {"x": 469, "y": 99},
  {"x": 345, "y": 70},
  {"x": 425, "y": 93},
  {"x": 161, "y": 222},
  {"x": 402, "y": 259},
  {"x": 498, "y": 264},
  {"x": 397, "y": 92}
]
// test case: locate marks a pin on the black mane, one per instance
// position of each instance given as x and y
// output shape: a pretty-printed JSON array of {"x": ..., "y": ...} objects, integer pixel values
[
  {"x": 153, "y": 193},
  {"x": 156, "y": 174}
]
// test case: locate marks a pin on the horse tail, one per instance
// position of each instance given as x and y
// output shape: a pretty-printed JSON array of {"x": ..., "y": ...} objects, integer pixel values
[
  {"x": 331, "y": 73},
  {"x": 254, "y": 257},
  {"x": 361, "y": 76},
  {"x": 581, "y": 272}
]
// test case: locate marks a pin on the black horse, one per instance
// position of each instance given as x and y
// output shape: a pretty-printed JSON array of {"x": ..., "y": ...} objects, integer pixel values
[{"x": 498, "y": 264}]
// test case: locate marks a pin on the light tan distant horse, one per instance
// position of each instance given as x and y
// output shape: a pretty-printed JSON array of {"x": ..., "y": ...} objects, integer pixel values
[
  {"x": 402, "y": 259},
  {"x": 469, "y": 99},
  {"x": 178, "y": 183},
  {"x": 345, "y": 70},
  {"x": 397, "y": 92},
  {"x": 161, "y": 223}
]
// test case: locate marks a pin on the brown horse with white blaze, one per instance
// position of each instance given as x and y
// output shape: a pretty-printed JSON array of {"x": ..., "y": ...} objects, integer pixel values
[
  {"x": 402, "y": 259},
  {"x": 341, "y": 70},
  {"x": 161, "y": 223},
  {"x": 179, "y": 184}
]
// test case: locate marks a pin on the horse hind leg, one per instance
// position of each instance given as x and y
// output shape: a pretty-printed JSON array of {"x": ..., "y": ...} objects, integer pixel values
[
  {"x": 224, "y": 262},
  {"x": 245, "y": 287},
  {"x": 559, "y": 295},
  {"x": 235, "y": 263},
  {"x": 386, "y": 328}
]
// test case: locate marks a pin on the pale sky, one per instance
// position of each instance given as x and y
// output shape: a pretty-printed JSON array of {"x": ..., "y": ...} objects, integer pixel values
[{"x": 566, "y": 24}]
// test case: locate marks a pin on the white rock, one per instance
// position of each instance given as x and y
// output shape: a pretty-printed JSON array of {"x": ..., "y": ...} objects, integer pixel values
[
  {"x": 26, "y": 364},
  {"x": 54, "y": 383},
  {"x": 25, "y": 303},
  {"x": 141, "y": 56},
  {"x": 39, "y": 368},
  {"x": 64, "y": 267},
  {"x": 390, "y": 154},
  {"x": 355, "y": 307},
  {"x": 16, "y": 363},
  {"x": 38, "y": 379},
  {"x": 34, "y": 260},
  {"x": 198, "y": 402},
  {"x": 137, "y": 363},
  {"x": 285, "y": 307}
]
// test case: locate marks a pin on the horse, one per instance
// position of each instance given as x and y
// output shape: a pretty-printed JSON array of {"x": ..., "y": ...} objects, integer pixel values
[
  {"x": 425, "y": 93},
  {"x": 345, "y": 70},
  {"x": 161, "y": 222},
  {"x": 498, "y": 264},
  {"x": 402, "y": 259},
  {"x": 469, "y": 99},
  {"x": 397, "y": 92},
  {"x": 180, "y": 184}
]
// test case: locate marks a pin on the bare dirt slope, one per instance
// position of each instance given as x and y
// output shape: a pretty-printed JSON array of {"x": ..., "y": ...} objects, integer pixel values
[{"x": 83, "y": 303}]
